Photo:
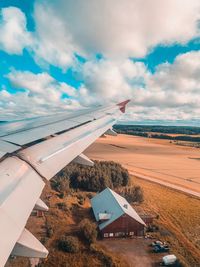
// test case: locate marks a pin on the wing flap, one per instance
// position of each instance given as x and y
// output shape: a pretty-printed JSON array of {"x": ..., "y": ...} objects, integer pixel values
[
  {"x": 40, "y": 205},
  {"x": 28, "y": 246},
  {"x": 83, "y": 160},
  {"x": 111, "y": 132},
  {"x": 19, "y": 185}
]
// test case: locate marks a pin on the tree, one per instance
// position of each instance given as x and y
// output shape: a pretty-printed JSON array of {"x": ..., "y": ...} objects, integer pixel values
[
  {"x": 88, "y": 229},
  {"x": 60, "y": 184},
  {"x": 69, "y": 244},
  {"x": 132, "y": 194}
]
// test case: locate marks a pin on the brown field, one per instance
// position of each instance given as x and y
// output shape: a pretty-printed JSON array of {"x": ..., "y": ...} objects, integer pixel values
[
  {"x": 179, "y": 214},
  {"x": 179, "y": 219},
  {"x": 154, "y": 158}
]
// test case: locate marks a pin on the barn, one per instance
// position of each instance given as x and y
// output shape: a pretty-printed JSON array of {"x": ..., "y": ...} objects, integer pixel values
[{"x": 115, "y": 216}]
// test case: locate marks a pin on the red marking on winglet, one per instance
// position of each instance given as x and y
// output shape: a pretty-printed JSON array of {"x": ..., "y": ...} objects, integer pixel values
[{"x": 122, "y": 105}]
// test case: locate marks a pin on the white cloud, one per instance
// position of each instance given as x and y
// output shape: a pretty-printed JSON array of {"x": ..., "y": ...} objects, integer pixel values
[
  {"x": 110, "y": 81},
  {"x": 28, "y": 80},
  {"x": 125, "y": 28},
  {"x": 14, "y": 36},
  {"x": 53, "y": 43},
  {"x": 172, "y": 92},
  {"x": 41, "y": 83},
  {"x": 42, "y": 95},
  {"x": 50, "y": 43},
  {"x": 117, "y": 29},
  {"x": 66, "y": 89},
  {"x": 178, "y": 82}
]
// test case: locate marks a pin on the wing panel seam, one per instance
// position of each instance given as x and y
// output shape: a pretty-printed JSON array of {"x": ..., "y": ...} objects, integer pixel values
[{"x": 27, "y": 162}]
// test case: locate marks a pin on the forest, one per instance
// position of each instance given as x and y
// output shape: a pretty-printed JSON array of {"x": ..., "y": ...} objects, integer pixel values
[
  {"x": 184, "y": 133},
  {"x": 94, "y": 179},
  {"x": 190, "y": 130}
]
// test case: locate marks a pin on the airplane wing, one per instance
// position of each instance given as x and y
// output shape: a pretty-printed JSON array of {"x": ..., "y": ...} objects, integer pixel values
[{"x": 31, "y": 152}]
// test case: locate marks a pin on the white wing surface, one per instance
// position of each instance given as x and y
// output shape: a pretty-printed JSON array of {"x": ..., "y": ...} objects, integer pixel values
[{"x": 32, "y": 152}]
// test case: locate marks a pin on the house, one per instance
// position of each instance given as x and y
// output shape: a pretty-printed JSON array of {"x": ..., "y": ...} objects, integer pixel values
[{"x": 115, "y": 216}]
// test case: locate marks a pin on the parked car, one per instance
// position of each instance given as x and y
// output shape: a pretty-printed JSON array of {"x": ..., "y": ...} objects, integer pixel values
[
  {"x": 169, "y": 260},
  {"x": 161, "y": 248},
  {"x": 157, "y": 242}
]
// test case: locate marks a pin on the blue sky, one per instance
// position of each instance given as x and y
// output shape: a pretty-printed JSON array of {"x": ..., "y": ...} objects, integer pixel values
[
  {"x": 54, "y": 57},
  {"x": 161, "y": 54}
]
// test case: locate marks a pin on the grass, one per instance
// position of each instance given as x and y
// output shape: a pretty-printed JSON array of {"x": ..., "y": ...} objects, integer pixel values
[{"x": 179, "y": 219}]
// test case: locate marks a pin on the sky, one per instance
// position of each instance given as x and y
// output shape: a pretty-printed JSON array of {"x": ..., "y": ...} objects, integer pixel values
[{"x": 65, "y": 55}]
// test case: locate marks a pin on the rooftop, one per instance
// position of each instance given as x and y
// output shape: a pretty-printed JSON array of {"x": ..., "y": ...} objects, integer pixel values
[{"x": 111, "y": 203}]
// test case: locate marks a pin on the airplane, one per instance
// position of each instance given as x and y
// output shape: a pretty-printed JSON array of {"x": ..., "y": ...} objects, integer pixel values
[{"x": 32, "y": 151}]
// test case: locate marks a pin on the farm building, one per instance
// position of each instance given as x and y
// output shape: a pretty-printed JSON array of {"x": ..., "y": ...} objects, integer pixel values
[{"x": 115, "y": 216}]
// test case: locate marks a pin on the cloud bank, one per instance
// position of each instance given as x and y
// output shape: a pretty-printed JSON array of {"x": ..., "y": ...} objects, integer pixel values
[
  {"x": 121, "y": 31},
  {"x": 127, "y": 28}
]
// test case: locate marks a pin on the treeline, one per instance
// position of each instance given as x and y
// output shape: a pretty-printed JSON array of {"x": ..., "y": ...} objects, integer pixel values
[
  {"x": 148, "y": 131},
  {"x": 188, "y": 138},
  {"x": 186, "y": 130},
  {"x": 93, "y": 179}
]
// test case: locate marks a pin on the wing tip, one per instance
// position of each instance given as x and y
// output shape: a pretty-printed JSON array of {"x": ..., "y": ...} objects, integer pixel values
[{"x": 123, "y": 104}]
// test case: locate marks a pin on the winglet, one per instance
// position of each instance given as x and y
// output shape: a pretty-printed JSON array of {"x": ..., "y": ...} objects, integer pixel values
[{"x": 122, "y": 105}]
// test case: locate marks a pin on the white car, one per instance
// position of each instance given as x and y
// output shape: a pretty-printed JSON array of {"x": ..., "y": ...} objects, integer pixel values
[{"x": 169, "y": 260}]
